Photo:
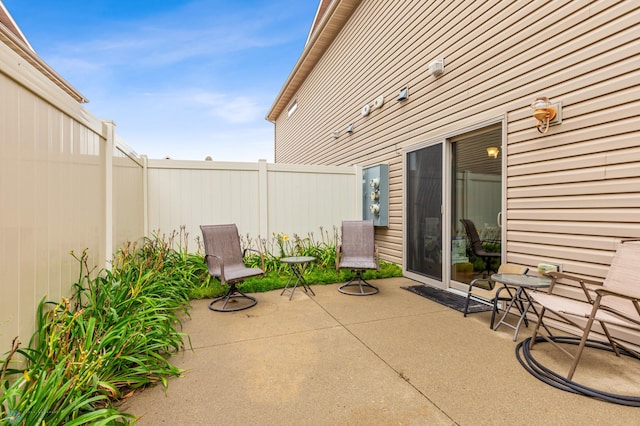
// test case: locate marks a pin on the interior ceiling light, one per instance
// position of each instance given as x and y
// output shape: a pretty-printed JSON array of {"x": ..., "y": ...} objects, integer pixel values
[{"x": 493, "y": 151}]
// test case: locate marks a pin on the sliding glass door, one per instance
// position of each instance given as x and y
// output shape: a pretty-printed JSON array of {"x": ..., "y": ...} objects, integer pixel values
[
  {"x": 454, "y": 180},
  {"x": 424, "y": 212}
]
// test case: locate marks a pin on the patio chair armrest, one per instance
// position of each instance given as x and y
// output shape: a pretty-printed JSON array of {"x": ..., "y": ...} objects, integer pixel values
[
  {"x": 376, "y": 257},
  {"x": 220, "y": 262},
  {"x": 587, "y": 285},
  {"x": 338, "y": 255},
  {"x": 257, "y": 251},
  {"x": 481, "y": 280},
  {"x": 630, "y": 294}
]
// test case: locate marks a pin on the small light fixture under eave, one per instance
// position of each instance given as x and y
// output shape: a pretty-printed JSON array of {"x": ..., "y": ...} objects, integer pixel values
[
  {"x": 436, "y": 67},
  {"x": 404, "y": 94},
  {"x": 292, "y": 108},
  {"x": 546, "y": 113},
  {"x": 335, "y": 134},
  {"x": 350, "y": 128},
  {"x": 493, "y": 151}
]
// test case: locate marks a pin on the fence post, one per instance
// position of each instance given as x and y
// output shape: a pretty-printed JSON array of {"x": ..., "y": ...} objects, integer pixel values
[
  {"x": 357, "y": 171},
  {"x": 108, "y": 131},
  {"x": 145, "y": 195},
  {"x": 263, "y": 206}
]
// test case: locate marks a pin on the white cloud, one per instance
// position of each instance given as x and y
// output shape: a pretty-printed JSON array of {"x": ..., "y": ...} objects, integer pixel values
[{"x": 231, "y": 108}]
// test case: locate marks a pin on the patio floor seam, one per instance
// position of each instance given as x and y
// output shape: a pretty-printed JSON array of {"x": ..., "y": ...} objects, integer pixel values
[{"x": 379, "y": 357}]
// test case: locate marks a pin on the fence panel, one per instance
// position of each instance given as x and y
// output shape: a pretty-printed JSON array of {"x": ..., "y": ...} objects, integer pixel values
[{"x": 261, "y": 199}]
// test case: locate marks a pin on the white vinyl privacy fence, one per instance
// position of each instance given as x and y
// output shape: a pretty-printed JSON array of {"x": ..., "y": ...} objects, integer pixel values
[
  {"x": 68, "y": 183},
  {"x": 262, "y": 199}
]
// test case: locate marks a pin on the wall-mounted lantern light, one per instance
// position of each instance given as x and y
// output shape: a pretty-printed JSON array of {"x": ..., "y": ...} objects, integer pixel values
[
  {"x": 546, "y": 113},
  {"x": 335, "y": 134},
  {"x": 350, "y": 128}
]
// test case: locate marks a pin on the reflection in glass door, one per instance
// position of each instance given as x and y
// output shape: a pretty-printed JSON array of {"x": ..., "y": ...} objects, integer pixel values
[
  {"x": 476, "y": 196},
  {"x": 423, "y": 212}
]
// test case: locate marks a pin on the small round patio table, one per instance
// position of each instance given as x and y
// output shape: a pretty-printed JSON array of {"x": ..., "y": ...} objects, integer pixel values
[
  {"x": 520, "y": 297},
  {"x": 298, "y": 265}
]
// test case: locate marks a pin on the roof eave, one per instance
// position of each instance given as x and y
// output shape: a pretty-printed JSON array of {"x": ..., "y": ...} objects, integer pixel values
[{"x": 334, "y": 19}]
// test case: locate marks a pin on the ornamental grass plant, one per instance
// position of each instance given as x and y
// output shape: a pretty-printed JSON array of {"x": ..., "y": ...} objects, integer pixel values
[{"x": 114, "y": 335}]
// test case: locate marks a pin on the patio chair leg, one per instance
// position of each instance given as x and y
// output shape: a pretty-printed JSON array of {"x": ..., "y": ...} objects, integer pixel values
[
  {"x": 493, "y": 312},
  {"x": 532, "y": 341},
  {"x": 466, "y": 304},
  {"x": 360, "y": 282},
  {"x": 233, "y": 296}
]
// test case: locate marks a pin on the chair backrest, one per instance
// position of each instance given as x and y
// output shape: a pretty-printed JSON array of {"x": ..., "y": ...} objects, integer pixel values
[
  {"x": 472, "y": 234},
  {"x": 510, "y": 268},
  {"x": 222, "y": 241},
  {"x": 624, "y": 277},
  {"x": 358, "y": 238}
]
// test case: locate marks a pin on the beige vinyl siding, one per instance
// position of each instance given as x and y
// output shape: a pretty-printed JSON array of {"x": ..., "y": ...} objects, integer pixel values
[{"x": 580, "y": 181}]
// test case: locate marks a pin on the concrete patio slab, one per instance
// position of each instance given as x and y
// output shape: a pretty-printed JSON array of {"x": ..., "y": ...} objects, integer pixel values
[{"x": 394, "y": 358}]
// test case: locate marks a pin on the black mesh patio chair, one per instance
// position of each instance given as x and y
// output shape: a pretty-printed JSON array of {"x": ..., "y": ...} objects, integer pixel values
[
  {"x": 225, "y": 260},
  {"x": 357, "y": 252},
  {"x": 476, "y": 244}
]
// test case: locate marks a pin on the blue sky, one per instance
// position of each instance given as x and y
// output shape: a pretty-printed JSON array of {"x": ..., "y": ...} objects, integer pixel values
[{"x": 183, "y": 79}]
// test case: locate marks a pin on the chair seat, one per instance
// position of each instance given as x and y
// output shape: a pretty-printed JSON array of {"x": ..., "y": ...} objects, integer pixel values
[
  {"x": 489, "y": 294},
  {"x": 358, "y": 263},
  {"x": 575, "y": 308},
  {"x": 484, "y": 253},
  {"x": 233, "y": 273}
]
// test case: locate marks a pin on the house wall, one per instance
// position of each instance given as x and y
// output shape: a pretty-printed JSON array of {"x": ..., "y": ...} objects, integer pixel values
[
  {"x": 260, "y": 198},
  {"x": 572, "y": 193}
]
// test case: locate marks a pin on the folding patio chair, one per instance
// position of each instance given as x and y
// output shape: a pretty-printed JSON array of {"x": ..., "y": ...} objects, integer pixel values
[
  {"x": 613, "y": 303},
  {"x": 495, "y": 292}
]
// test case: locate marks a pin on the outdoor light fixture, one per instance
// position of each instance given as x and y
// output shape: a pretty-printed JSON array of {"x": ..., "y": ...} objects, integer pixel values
[
  {"x": 350, "y": 128},
  {"x": 493, "y": 151},
  {"x": 404, "y": 94},
  {"x": 436, "y": 67},
  {"x": 545, "y": 113},
  {"x": 335, "y": 134}
]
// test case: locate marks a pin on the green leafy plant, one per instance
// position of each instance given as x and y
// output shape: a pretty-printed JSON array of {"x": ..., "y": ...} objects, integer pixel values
[
  {"x": 117, "y": 331},
  {"x": 321, "y": 271},
  {"x": 114, "y": 335}
]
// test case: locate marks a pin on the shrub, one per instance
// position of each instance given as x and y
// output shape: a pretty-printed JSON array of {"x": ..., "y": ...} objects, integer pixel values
[{"x": 113, "y": 336}]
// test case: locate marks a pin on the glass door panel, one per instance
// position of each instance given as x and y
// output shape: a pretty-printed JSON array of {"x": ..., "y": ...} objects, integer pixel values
[
  {"x": 476, "y": 195},
  {"x": 424, "y": 212}
]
